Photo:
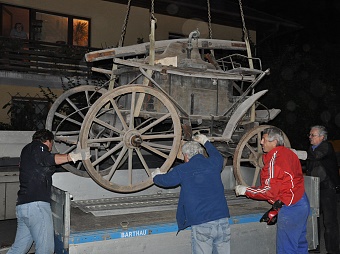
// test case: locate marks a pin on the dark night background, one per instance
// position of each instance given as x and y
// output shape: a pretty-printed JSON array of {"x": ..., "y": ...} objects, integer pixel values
[{"x": 304, "y": 66}]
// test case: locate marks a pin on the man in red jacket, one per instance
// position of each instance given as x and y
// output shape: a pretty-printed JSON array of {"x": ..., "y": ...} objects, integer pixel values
[{"x": 282, "y": 185}]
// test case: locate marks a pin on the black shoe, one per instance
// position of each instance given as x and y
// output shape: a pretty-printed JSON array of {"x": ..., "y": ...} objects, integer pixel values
[{"x": 317, "y": 250}]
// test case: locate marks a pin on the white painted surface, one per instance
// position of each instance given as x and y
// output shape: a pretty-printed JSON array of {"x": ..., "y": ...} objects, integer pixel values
[{"x": 12, "y": 142}]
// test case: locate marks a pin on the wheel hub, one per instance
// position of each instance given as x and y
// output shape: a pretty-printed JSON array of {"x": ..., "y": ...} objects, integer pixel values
[{"x": 133, "y": 139}]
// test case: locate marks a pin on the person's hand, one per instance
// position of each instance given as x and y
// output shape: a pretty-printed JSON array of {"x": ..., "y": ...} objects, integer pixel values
[
  {"x": 200, "y": 138},
  {"x": 270, "y": 216},
  {"x": 240, "y": 190},
  {"x": 302, "y": 155},
  {"x": 80, "y": 154},
  {"x": 156, "y": 172}
]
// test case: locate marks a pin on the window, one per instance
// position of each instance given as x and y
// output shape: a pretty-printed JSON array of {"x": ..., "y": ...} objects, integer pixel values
[
  {"x": 14, "y": 15},
  {"x": 28, "y": 113},
  {"x": 80, "y": 32},
  {"x": 46, "y": 26},
  {"x": 50, "y": 28}
]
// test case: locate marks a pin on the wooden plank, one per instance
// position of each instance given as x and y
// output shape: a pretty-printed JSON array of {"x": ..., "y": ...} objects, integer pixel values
[
  {"x": 160, "y": 46},
  {"x": 216, "y": 74}
]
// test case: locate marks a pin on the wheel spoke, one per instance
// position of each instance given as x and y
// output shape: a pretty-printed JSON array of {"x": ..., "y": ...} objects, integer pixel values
[
  {"x": 115, "y": 165},
  {"x": 130, "y": 165},
  {"x": 119, "y": 114},
  {"x": 141, "y": 158},
  {"x": 246, "y": 160},
  {"x": 148, "y": 127},
  {"x": 132, "y": 109},
  {"x": 67, "y": 118},
  {"x": 108, "y": 153},
  {"x": 258, "y": 140},
  {"x": 251, "y": 149},
  {"x": 159, "y": 136},
  {"x": 103, "y": 140},
  {"x": 75, "y": 108},
  {"x": 154, "y": 150},
  {"x": 106, "y": 125}
]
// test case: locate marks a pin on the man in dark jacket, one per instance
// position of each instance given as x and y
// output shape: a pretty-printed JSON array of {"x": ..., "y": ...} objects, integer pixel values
[
  {"x": 321, "y": 162},
  {"x": 33, "y": 208},
  {"x": 202, "y": 203}
]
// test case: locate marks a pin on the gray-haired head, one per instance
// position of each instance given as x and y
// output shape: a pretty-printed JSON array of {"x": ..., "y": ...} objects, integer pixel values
[
  {"x": 275, "y": 134},
  {"x": 321, "y": 130},
  {"x": 191, "y": 148}
]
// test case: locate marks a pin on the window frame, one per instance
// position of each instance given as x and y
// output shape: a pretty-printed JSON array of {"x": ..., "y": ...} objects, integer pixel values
[{"x": 32, "y": 18}]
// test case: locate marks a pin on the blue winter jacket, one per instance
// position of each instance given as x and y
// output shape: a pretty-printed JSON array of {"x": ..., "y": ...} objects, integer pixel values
[{"x": 202, "y": 196}]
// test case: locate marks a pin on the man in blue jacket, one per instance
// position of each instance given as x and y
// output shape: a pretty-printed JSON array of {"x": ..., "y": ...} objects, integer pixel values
[{"x": 202, "y": 203}]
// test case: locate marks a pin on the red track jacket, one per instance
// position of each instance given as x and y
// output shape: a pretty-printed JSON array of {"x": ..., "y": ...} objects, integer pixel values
[{"x": 281, "y": 178}]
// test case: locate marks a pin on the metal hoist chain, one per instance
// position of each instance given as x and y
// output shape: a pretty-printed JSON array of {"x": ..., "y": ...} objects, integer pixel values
[
  {"x": 250, "y": 58},
  {"x": 122, "y": 36},
  {"x": 209, "y": 20},
  {"x": 153, "y": 9},
  {"x": 246, "y": 37}
]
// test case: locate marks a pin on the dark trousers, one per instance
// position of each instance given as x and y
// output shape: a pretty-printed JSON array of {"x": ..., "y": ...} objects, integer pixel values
[{"x": 328, "y": 207}]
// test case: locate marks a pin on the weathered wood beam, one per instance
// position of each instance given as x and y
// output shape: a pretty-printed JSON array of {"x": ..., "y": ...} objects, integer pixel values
[{"x": 160, "y": 46}]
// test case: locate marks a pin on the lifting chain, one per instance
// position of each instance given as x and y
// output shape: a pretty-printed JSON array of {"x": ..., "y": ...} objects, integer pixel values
[
  {"x": 250, "y": 58},
  {"x": 246, "y": 37},
  {"x": 122, "y": 36},
  {"x": 209, "y": 19},
  {"x": 153, "y": 10}
]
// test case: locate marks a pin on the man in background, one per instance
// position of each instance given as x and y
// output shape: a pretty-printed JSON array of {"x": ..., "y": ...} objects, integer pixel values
[{"x": 321, "y": 162}]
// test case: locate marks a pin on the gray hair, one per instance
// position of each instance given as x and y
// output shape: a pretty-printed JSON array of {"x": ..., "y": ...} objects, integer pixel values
[
  {"x": 275, "y": 134},
  {"x": 321, "y": 130},
  {"x": 191, "y": 148}
]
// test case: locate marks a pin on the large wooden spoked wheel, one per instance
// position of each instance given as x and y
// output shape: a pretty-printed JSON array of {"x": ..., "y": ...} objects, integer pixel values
[
  {"x": 247, "y": 161},
  {"x": 134, "y": 124},
  {"x": 65, "y": 118}
]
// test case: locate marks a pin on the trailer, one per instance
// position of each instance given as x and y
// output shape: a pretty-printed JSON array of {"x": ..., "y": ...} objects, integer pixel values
[
  {"x": 105, "y": 222},
  {"x": 90, "y": 219}
]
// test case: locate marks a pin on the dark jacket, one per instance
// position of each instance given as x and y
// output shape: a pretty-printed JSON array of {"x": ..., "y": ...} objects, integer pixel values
[
  {"x": 202, "y": 196},
  {"x": 322, "y": 162},
  {"x": 36, "y": 170}
]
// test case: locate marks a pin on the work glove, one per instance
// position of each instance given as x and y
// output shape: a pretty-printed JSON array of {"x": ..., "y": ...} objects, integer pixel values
[
  {"x": 270, "y": 216},
  {"x": 156, "y": 172},
  {"x": 200, "y": 138},
  {"x": 302, "y": 155},
  {"x": 240, "y": 190},
  {"x": 80, "y": 154}
]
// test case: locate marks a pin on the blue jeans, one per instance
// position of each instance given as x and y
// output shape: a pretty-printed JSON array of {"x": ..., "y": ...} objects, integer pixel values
[
  {"x": 211, "y": 237},
  {"x": 292, "y": 228},
  {"x": 35, "y": 224}
]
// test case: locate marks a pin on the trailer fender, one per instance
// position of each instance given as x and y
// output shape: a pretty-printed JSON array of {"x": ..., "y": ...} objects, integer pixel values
[{"x": 238, "y": 114}]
